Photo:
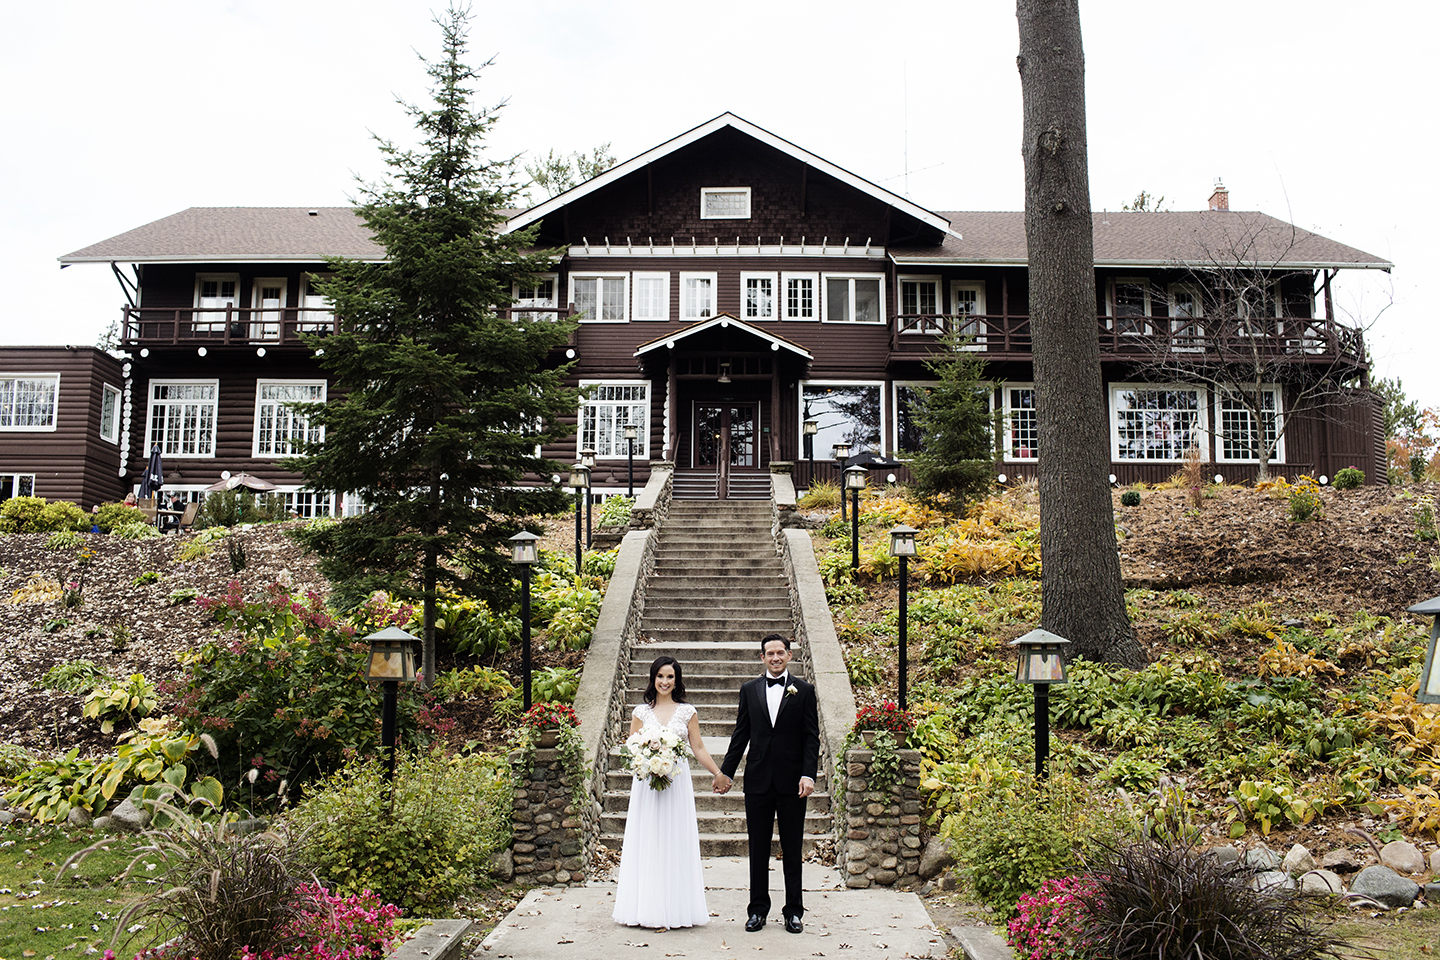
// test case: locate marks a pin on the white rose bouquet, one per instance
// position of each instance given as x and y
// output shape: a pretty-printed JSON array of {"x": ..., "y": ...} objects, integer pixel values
[{"x": 654, "y": 754}]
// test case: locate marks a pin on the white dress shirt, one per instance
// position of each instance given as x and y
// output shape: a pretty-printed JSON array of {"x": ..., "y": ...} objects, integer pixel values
[{"x": 774, "y": 693}]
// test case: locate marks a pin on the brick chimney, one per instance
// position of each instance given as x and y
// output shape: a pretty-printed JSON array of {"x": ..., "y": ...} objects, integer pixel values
[{"x": 1220, "y": 199}]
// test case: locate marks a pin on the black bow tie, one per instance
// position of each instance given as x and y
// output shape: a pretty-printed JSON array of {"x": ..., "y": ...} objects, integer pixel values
[{"x": 774, "y": 681}]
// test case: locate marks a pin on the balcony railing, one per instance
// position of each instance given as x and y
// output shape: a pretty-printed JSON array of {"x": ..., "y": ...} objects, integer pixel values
[
  {"x": 252, "y": 326},
  {"x": 916, "y": 335}
]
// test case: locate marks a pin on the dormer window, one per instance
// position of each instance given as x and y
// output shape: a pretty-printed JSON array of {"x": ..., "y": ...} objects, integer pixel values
[{"x": 724, "y": 203}]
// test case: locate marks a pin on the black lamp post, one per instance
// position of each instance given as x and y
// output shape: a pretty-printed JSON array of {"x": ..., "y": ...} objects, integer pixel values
[
  {"x": 631, "y": 432},
  {"x": 902, "y": 545},
  {"x": 855, "y": 478},
  {"x": 587, "y": 457},
  {"x": 811, "y": 428},
  {"x": 1429, "y": 691},
  {"x": 392, "y": 660},
  {"x": 580, "y": 483},
  {"x": 523, "y": 554},
  {"x": 841, "y": 453},
  {"x": 1041, "y": 663}
]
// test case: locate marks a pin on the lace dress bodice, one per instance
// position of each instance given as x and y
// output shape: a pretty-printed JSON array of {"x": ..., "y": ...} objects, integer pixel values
[{"x": 679, "y": 720}]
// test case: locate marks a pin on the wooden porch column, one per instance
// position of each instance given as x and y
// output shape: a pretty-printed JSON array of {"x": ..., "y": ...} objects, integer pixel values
[
  {"x": 774, "y": 409},
  {"x": 672, "y": 414}
]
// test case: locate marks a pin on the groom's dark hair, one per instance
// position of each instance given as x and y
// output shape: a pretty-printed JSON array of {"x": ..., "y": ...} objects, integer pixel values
[
  {"x": 678, "y": 694},
  {"x": 774, "y": 636}
]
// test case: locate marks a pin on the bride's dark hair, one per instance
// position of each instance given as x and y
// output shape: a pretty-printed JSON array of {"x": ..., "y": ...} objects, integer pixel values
[{"x": 678, "y": 694}]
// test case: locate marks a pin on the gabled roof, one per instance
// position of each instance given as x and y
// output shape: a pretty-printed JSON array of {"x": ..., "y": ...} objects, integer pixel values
[
  {"x": 723, "y": 320},
  {"x": 239, "y": 235},
  {"x": 1169, "y": 239},
  {"x": 610, "y": 176}
]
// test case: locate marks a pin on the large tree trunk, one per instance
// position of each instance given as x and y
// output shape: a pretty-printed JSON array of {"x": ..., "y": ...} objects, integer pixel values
[{"x": 1082, "y": 596}]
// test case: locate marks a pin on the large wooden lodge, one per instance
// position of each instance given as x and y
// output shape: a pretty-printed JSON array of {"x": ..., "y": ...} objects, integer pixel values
[{"x": 730, "y": 286}]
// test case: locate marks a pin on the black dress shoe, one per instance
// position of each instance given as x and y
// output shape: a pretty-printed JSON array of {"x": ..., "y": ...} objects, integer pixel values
[
  {"x": 793, "y": 925},
  {"x": 754, "y": 923}
]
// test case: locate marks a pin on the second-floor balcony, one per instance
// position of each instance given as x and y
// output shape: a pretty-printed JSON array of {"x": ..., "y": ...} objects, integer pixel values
[
  {"x": 252, "y": 326},
  {"x": 1002, "y": 337}
]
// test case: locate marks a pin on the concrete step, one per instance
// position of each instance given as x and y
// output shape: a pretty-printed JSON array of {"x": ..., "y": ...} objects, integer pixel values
[
  {"x": 719, "y": 696},
  {"x": 617, "y": 800},
  {"x": 681, "y": 649},
  {"x": 667, "y": 552},
  {"x": 755, "y": 587},
  {"x": 729, "y": 630},
  {"x": 715, "y": 608},
  {"x": 713, "y": 822},
  {"x": 726, "y": 845},
  {"x": 618, "y": 780}
]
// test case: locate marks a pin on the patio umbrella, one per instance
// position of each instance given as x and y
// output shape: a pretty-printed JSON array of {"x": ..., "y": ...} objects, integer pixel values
[
  {"x": 154, "y": 477},
  {"x": 241, "y": 480}
]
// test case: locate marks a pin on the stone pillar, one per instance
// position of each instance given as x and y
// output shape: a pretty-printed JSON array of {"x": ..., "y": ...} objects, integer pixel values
[
  {"x": 881, "y": 828},
  {"x": 549, "y": 829}
]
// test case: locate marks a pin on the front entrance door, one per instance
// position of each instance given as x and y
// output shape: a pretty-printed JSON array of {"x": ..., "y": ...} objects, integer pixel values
[{"x": 726, "y": 437}]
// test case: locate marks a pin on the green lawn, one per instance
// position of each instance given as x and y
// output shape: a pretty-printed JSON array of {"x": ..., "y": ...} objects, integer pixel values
[{"x": 42, "y": 916}]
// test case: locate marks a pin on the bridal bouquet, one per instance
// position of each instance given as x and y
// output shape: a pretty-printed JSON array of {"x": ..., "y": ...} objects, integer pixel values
[{"x": 654, "y": 754}]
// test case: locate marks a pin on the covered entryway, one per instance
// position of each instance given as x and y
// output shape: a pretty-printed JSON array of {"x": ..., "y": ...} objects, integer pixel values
[{"x": 725, "y": 381}]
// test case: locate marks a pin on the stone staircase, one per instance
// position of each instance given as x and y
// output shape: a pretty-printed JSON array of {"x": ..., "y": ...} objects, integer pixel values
[
  {"x": 717, "y": 588},
  {"x": 693, "y": 484}
]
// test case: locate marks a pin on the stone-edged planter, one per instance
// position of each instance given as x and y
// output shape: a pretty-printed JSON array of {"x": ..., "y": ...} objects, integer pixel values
[{"x": 438, "y": 940}]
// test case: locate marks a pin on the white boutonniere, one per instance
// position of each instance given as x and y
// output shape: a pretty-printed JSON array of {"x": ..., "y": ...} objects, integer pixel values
[{"x": 790, "y": 691}]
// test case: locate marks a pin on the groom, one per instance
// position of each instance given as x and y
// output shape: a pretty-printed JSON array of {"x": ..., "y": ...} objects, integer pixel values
[{"x": 778, "y": 720}]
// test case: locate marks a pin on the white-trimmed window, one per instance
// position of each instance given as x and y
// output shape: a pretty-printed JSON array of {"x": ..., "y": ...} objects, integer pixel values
[
  {"x": 182, "y": 417},
  {"x": 1022, "y": 426},
  {"x": 109, "y": 413},
  {"x": 652, "y": 296},
  {"x": 280, "y": 429},
  {"x": 600, "y": 297},
  {"x": 606, "y": 407},
  {"x": 214, "y": 293},
  {"x": 854, "y": 299},
  {"x": 845, "y": 412},
  {"x": 1187, "y": 308},
  {"x": 1157, "y": 421},
  {"x": 908, "y": 439},
  {"x": 800, "y": 294},
  {"x": 1130, "y": 306},
  {"x": 541, "y": 293},
  {"x": 920, "y": 305},
  {"x": 318, "y": 313},
  {"x": 758, "y": 296},
  {"x": 16, "y": 485},
  {"x": 267, "y": 302},
  {"x": 724, "y": 203},
  {"x": 967, "y": 305},
  {"x": 1238, "y": 437},
  {"x": 28, "y": 401},
  {"x": 308, "y": 504},
  {"x": 697, "y": 296}
]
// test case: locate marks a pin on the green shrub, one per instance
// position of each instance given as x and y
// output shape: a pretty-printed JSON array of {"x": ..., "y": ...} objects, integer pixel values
[
  {"x": 615, "y": 512},
  {"x": 469, "y": 626},
  {"x": 193, "y": 550},
  {"x": 182, "y": 596},
  {"x": 600, "y": 563},
  {"x": 1425, "y": 522},
  {"x": 64, "y": 540},
  {"x": 139, "y": 530},
  {"x": 121, "y": 703},
  {"x": 421, "y": 849},
  {"x": 1348, "y": 478},
  {"x": 14, "y": 760},
  {"x": 36, "y": 515},
  {"x": 865, "y": 670},
  {"x": 74, "y": 676},
  {"x": 1014, "y": 837},
  {"x": 148, "y": 577},
  {"x": 822, "y": 495},
  {"x": 64, "y": 515},
  {"x": 572, "y": 612},
  {"x": 477, "y": 682},
  {"x": 1305, "y": 503},
  {"x": 1155, "y": 899},
  {"x": 114, "y": 515},
  {"x": 554, "y": 685},
  {"x": 1130, "y": 498},
  {"x": 228, "y": 508}
]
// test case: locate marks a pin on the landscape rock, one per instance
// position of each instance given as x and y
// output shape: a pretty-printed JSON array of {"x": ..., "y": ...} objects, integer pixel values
[
  {"x": 129, "y": 818},
  {"x": 1432, "y": 892},
  {"x": 105, "y": 824},
  {"x": 6, "y": 818},
  {"x": 1385, "y": 887},
  {"x": 1402, "y": 856},
  {"x": 1298, "y": 860},
  {"x": 1273, "y": 880},
  {"x": 1262, "y": 858},
  {"x": 1322, "y": 881},
  {"x": 1435, "y": 861},
  {"x": 78, "y": 817},
  {"x": 249, "y": 826},
  {"x": 936, "y": 859},
  {"x": 1223, "y": 855},
  {"x": 1341, "y": 861},
  {"x": 502, "y": 865}
]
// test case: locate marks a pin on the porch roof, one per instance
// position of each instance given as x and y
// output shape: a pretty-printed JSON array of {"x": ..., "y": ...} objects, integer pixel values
[
  {"x": 724, "y": 320},
  {"x": 239, "y": 235}
]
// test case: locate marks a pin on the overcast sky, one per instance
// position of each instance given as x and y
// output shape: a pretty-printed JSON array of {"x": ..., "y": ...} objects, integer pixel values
[{"x": 1319, "y": 113}]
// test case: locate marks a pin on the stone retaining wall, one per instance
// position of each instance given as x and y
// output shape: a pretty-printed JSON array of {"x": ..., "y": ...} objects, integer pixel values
[
  {"x": 550, "y": 832},
  {"x": 880, "y": 839}
]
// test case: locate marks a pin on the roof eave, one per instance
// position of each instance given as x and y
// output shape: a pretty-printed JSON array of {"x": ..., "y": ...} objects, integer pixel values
[{"x": 222, "y": 258}]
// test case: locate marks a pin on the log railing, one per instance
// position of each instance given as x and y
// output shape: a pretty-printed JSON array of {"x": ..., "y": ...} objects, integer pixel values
[{"x": 250, "y": 326}]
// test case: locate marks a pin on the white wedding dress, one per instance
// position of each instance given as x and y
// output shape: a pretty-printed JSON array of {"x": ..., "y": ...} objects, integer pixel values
[{"x": 660, "y": 882}]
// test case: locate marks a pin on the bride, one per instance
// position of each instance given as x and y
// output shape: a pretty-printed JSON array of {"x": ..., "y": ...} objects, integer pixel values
[{"x": 660, "y": 883}]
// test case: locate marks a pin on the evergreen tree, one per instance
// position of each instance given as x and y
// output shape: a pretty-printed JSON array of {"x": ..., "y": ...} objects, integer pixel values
[
  {"x": 956, "y": 458},
  {"x": 440, "y": 400}
]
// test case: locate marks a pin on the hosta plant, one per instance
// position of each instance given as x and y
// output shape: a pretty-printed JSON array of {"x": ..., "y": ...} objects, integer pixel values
[{"x": 124, "y": 702}]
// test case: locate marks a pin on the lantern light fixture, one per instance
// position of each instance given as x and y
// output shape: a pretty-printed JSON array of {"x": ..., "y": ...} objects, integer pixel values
[
  {"x": 1429, "y": 691},
  {"x": 902, "y": 541},
  {"x": 392, "y": 655}
]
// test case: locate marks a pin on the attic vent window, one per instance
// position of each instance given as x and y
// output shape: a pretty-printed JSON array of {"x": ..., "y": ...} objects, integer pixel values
[{"x": 724, "y": 203}]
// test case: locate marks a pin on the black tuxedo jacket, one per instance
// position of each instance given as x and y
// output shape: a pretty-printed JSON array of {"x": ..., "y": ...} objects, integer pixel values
[{"x": 781, "y": 754}]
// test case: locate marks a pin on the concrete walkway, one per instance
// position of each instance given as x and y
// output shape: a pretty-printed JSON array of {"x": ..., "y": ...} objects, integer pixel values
[{"x": 575, "y": 922}]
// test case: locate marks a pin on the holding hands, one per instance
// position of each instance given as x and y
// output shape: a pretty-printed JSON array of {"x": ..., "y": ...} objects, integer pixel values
[{"x": 721, "y": 783}]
